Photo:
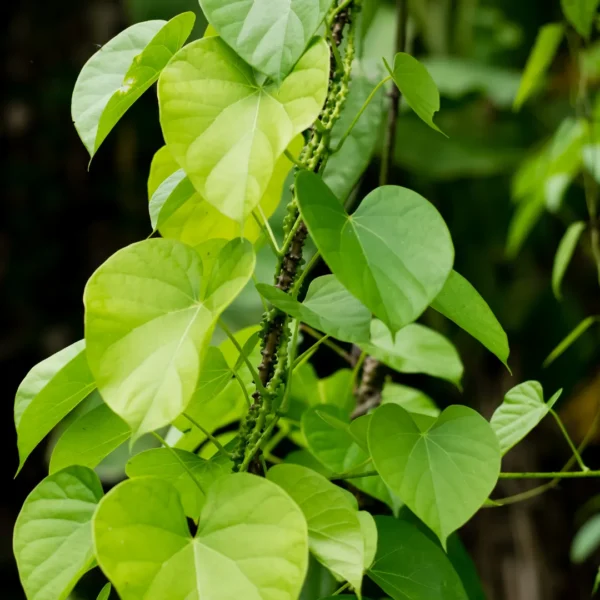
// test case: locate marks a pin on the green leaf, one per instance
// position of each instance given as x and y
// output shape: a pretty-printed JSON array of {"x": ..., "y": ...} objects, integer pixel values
[
  {"x": 394, "y": 253},
  {"x": 412, "y": 400},
  {"x": 347, "y": 165},
  {"x": 306, "y": 459},
  {"x": 334, "y": 530},
  {"x": 105, "y": 592},
  {"x": 571, "y": 339},
  {"x": 417, "y": 349},
  {"x": 581, "y": 14},
  {"x": 586, "y": 540},
  {"x": 89, "y": 439},
  {"x": 523, "y": 221},
  {"x": 251, "y": 541},
  {"x": 410, "y": 566},
  {"x": 370, "y": 537},
  {"x": 49, "y": 392},
  {"x": 546, "y": 45},
  {"x": 564, "y": 254},
  {"x": 443, "y": 474},
  {"x": 269, "y": 36},
  {"x": 120, "y": 72},
  {"x": 328, "y": 307},
  {"x": 336, "y": 449},
  {"x": 417, "y": 87},
  {"x": 163, "y": 165},
  {"x": 460, "y": 302},
  {"x": 179, "y": 212},
  {"x": 53, "y": 533},
  {"x": 521, "y": 411},
  {"x": 230, "y": 131},
  {"x": 161, "y": 463},
  {"x": 150, "y": 314}
]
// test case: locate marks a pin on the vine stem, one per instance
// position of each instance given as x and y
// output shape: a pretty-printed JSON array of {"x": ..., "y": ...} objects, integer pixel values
[
  {"x": 324, "y": 339},
  {"x": 552, "y": 475},
  {"x": 569, "y": 441},
  {"x": 209, "y": 435},
  {"x": 342, "y": 588}
]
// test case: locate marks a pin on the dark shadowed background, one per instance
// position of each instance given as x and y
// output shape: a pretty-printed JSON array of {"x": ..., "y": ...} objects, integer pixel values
[{"x": 58, "y": 222}]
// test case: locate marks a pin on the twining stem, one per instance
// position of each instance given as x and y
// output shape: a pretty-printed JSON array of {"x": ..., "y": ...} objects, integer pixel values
[
  {"x": 275, "y": 332},
  {"x": 180, "y": 461},
  {"x": 331, "y": 345},
  {"x": 569, "y": 441},
  {"x": 307, "y": 269},
  {"x": 551, "y": 475},
  {"x": 209, "y": 435}
]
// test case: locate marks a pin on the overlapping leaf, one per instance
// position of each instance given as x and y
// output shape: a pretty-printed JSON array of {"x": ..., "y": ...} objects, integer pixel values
[
  {"x": 251, "y": 542},
  {"x": 225, "y": 129},
  {"x": 394, "y": 253},
  {"x": 150, "y": 312},
  {"x": 120, "y": 72}
]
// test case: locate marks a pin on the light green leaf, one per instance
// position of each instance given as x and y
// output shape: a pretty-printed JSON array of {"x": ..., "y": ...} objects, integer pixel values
[
  {"x": 338, "y": 451},
  {"x": 564, "y": 254},
  {"x": 412, "y": 400},
  {"x": 460, "y": 302},
  {"x": 120, "y": 72},
  {"x": 150, "y": 313},
  {"x": 410, "y": 566},
  {"x": 328, "y": 307},
  {"x": 417, "y": 349},
  {"x": 417, "y": 87},
  {"x": 334, "y": 530},
  {"x": 49, "y": 392},
  {"x": 337, "y": 390},
  {"x": 53, "y": 533},
  {"x": 586, "y": 540},
  {"x": 163, "y": 165},
  {"x": 269, "y": 36},
  {"x": 105, "y": 592},
  {"x": 581, "y": 14},
  {"x": 306, "y": 459},
  {"x": 347, "y": 165},
  {"x": 521, "y": 410},
  {"x": 225, "y": 129},
  {"x": 571, "y": 339},
  {"x": 394, "y": 253},
  {"x": 445, "y": 473},
  {"x": 546, "y": 45},
  {"x": 179, "y": 212},
  {"x": 251, "y": 542},
  {"x": 89, "y": 439},
  {"x": 369, "y": 533},
  {"x": 161, "y": 463}
]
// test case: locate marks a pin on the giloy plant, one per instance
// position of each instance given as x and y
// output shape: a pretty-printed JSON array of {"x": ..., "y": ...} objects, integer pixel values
[{"x": 376, "y": 485}]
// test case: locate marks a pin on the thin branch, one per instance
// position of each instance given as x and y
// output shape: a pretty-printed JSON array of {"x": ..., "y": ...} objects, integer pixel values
[
  {"x": 332, "y": 345},
  {"x": 569, "y": 441},
  {"x": 552, "y": 475},
  {"x": 263, "y": 223},
  {"x": 209, "y": 435}
]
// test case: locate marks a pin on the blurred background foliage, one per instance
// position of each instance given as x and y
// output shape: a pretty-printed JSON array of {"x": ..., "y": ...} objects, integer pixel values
[{"x": 506, "y": 213}]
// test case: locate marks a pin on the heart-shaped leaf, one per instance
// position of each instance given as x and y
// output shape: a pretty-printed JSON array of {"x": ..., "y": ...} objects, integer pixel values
[
  {"x": 162, "y": 166},
  {"x": 334, "y": 530},
  {"x": 328, "y": 307},
  {"x": 581, "y": 14},
  {"x": 225, "y": 129},
  {"x": 394, "y": 253},
  {"x": 410, "y": 566},
  {"x": 270, "y": 36},
  {"x": 460, "y": 302},
  {"x": 417, "y": 87},
  {"x": 120, "y": 72},
  {"x": 150, "y": 313},
  {"x": 444, "y": 474},
  {"x": 89, "y": 439},
  {"x": 53, "y": 533},
  {"x": 161, "y": 463},
  {"x": 179, "y": 212},
  {"x": 521, "y": 411},
  {"x": 370, "y": 537},
  {"x": 49, "y": 392},
  {"x": 252, "y": 541},
  {"x": 336, "y": 448},
  {"x": 416, "y": 349}
]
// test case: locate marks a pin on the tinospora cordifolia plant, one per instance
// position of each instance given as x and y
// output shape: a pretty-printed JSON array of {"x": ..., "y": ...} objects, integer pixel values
[{"x": 266, "y": 482}]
